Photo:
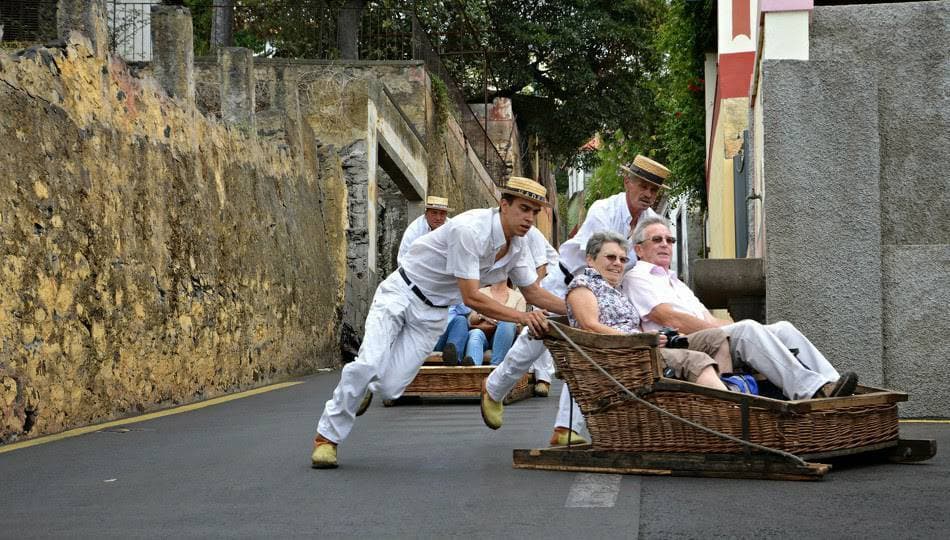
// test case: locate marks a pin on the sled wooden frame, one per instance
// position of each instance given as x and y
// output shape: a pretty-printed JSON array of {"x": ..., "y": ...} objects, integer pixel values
[
  {"x": 629, "y": 437},
  {"x": 754, "y": 466},
  {"x": 453, "y": 382}
]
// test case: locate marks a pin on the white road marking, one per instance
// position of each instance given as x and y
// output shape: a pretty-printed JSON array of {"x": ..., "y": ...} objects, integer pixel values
[{"x": 594, "y": 491}]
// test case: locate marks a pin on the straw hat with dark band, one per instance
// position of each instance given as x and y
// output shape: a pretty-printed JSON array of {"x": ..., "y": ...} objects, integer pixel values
[
  {"x": 526, "y": 188},
  {"x": 644, "y": 168},
  {"x": 438, "y": 203}
]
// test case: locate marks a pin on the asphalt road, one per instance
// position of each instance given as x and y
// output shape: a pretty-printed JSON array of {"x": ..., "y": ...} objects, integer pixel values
[{"x": 241, "y": 470}]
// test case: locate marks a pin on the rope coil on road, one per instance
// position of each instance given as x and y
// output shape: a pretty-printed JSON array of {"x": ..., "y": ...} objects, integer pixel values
[{"x": 663, "y": 411}]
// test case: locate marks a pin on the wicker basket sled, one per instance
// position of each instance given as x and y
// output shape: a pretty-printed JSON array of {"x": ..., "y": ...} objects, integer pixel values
[
  {"x": 629, "y": 436},
  {"x": 435, "y": 381}
]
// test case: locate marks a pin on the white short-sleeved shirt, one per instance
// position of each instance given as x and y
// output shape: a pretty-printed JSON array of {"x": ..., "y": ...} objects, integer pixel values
[
  {"x": 465, "y": 248},
  {"x": 417, "y": 228},
  {"x": 542, "y": 251},
  {"x": 610, "y": 214},
  {"x": 648, "y": 285}
]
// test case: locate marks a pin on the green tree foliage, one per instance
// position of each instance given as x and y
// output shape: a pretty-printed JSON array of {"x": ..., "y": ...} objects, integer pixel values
[
  {"x": 677, "y": 139},
  {"x": 244, "y": 34},
  {"x": 605, "y": 179},
  {"x": 687, "y": 32},
  {"x": 576, "y": 67}
]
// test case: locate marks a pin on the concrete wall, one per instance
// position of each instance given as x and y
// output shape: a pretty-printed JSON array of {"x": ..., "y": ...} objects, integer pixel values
[
  {"x": 456, "y": 172},
  {"x": 856, "y": 209},
  {"x": 151, "y": 256}
]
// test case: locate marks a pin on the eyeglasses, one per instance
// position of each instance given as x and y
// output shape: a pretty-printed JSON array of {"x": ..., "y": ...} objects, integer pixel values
[
  {"x": 658, "y": 239},
  {"x": 613, "y": 258}
]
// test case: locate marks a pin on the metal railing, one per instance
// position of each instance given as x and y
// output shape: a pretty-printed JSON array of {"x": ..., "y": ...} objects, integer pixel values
[
  {"x": 26, "y": 22},
  {"x": 474, "y": 129},
  {"x": 130, "y": 29},
  {"x": 380, "y": 33}
]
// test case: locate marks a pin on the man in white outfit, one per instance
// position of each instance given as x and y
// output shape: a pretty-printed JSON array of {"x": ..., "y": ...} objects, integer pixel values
[
  {"x": 662, "y": 300},
  {"x": 643, "y": 178},
  {"x": 545, "y": 257},
  {"x": 437, "y": 211},
  {"x": 408, "y": 313}
]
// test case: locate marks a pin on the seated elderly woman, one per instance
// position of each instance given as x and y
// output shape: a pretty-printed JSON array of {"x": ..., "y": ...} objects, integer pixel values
[{"x": 595, "y": 304}]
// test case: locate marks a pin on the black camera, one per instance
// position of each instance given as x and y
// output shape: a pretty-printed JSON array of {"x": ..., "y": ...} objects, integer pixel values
[{"x": 673, "y": 339}]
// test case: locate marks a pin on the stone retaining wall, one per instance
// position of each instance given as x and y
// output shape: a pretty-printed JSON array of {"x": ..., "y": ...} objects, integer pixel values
[{"x": 151, "y": 256}]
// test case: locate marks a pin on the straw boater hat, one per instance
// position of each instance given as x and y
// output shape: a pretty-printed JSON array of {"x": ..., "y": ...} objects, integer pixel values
[
  {"x": 645, "y": 168},
  {"x": 437, "y": 203},
  {"x": 526, "y": 188}
]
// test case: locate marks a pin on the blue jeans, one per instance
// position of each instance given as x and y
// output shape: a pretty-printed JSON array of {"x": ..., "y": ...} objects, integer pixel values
[
  {"x": 456, "y": 333},
  {"x": 502, "y": 340}
]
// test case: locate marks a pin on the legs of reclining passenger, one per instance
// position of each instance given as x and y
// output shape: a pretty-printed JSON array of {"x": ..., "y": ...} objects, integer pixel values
[
  {"x": 807, "y": 352},
  {"x": 756, "y": 345}
]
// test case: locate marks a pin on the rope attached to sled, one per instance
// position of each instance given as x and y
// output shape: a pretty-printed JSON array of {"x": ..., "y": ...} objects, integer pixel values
[{"x": 663, "y": 411}]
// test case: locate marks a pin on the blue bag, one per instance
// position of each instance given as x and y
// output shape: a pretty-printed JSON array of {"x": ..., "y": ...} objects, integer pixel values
[{"x": 742, "y": 383}]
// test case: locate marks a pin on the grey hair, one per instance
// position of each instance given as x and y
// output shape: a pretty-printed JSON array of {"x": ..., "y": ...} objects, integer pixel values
[
  {"x": 639, "y": 233},
  {"x": 597, "y": 241}
]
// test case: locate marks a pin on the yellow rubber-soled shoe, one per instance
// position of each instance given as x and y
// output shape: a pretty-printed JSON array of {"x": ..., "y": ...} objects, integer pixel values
[
  {"x": 492, "y": 411},
  {"x": 541, "y": 389},
  {"x": 324, "y": 454},
  {"x": 559, "y": 438},
  {"x": 367, "y": 399}
]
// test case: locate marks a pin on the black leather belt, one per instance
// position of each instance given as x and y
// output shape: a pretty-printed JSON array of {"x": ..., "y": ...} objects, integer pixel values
[
  {"x": 568, "y": 276},
  {"x": 416, "y": 290}
]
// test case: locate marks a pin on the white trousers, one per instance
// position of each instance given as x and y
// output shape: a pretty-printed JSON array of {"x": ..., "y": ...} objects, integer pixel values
[
  {"x": 529, "y": 353},
  {"x": 526, "y": 352},
  {"x": 521, "y": 356},
  {"x": 565, "y": 418},
  {"x": 400, "y": 331},
  {"x": 766, "y": 348},
  {"x": 543, "y": 367}
]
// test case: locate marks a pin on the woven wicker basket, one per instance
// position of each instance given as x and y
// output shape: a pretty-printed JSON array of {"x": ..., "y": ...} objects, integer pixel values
[{"x": 619, "y": 423}]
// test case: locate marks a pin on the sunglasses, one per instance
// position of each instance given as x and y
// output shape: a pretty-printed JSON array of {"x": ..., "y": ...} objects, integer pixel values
[
  {"x": 613, "y": 258},
  {"x": 658, "y": 239}
]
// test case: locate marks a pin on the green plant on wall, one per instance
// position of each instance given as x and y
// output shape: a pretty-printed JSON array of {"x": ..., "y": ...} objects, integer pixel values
[
  {"x": 563, "y": 212},
  {"x": 442, "y": 104}
]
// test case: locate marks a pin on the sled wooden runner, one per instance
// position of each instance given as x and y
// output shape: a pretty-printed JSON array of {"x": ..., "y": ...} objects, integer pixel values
[{"x": 583, "y": 458}]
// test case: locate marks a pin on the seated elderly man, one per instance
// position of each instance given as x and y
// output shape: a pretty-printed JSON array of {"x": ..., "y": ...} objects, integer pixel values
[
  {"x": 662, "y": 300},
  {"x": 595, "y": 304}
]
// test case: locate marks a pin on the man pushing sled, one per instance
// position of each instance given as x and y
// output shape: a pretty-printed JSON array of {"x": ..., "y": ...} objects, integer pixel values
[{"x": 408, "y": 313}]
